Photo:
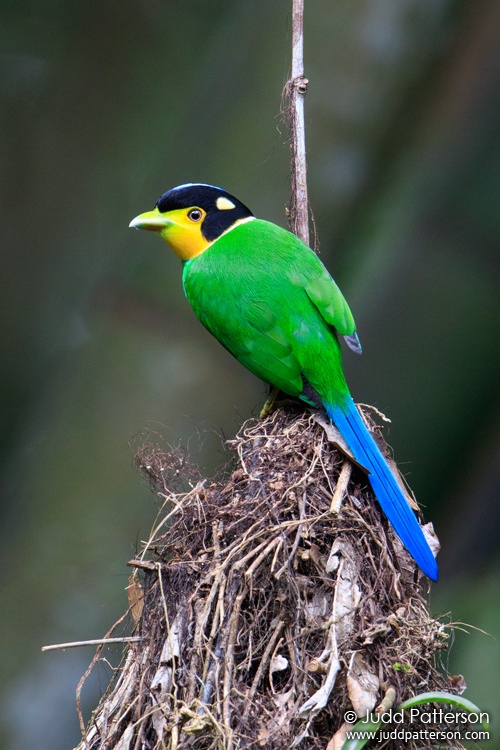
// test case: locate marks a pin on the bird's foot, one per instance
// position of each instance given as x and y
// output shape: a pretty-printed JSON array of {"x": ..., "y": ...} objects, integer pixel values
[{"x": 270, "y": 404}]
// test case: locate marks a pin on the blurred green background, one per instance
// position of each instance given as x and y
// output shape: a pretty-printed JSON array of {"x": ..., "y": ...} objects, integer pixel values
[{"x": 104, "y": 106}]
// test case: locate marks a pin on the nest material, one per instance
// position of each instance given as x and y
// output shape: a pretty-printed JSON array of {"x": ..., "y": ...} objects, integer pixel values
[{"x": 273, "y": 602}]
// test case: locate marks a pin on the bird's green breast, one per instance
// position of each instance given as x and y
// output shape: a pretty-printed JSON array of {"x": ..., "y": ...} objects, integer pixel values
[{"x": 249, "y": 289}]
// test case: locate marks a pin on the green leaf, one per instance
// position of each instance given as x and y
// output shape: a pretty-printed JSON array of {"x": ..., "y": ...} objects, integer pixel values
[
  {"x": 364, "y": 726},
  {"x": 448, "y": 698},
  {"x": 398, "y": 667}
]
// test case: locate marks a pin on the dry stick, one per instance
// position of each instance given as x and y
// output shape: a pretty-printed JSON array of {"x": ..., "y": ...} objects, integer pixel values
[
  {"x": 263, "y": 664},
  {"x": 86, "y": 674},
  {"x": 298, "y": 537},
  {"x": 229, "y": 660},
  {"x": 341, "y": 487},
  {"x": 209, "y": 675},
  {"x": 296, "y": 89},
  {"x": 318, "y": 701},
  {"x": 253, "y": 567},
  {"x": 93, "y": 642},
  {"x": 243, "y": 560},
  {"x": 213, "y": 653},
  {"x": 202, "y": 615}
]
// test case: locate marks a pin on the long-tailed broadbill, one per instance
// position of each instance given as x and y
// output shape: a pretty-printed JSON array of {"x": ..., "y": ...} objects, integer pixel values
[{"x": 271, "y": 302}]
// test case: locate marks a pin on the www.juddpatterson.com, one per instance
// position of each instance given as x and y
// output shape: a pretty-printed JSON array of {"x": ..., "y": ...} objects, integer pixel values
[
  {"x": 438, "y": 725},
  {"x": 426, "y": 734}
]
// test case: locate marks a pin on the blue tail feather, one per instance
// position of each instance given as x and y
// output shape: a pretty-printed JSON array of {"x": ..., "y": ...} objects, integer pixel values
[{"x": 388, "y": 493}]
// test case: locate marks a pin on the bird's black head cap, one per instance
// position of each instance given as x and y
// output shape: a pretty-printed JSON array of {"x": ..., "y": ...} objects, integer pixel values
[{"x": 222, "y": 209}]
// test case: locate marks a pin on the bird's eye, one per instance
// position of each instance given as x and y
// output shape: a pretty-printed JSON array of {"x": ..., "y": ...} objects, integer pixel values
[{"x": 195, "y": 214}]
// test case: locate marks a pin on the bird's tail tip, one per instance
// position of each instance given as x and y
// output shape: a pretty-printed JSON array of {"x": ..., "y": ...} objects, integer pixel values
[{"x": 387, "y": 491}]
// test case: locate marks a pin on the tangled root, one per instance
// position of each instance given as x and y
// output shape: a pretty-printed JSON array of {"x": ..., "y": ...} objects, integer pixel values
[{"x": 268, "y": 604}]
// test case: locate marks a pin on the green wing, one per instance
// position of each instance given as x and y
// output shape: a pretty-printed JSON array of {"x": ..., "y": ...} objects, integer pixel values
[{"x": 325, "y": 294}]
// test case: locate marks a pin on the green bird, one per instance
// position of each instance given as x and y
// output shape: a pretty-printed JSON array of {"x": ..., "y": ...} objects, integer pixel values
[{"x": 270, "y": 301}]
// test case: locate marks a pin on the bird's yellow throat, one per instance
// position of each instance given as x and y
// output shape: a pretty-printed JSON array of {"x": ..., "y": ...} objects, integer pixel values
[{"x": 180, "y": 232}]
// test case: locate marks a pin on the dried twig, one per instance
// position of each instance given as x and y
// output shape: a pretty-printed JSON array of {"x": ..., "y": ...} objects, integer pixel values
[
  {"x": 294, "y": 92},
  {"x": 93, "y": 642}
]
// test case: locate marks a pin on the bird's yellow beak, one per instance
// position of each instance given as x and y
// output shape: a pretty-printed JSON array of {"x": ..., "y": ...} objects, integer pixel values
[
  {"x": 178, "y": 231},
  {"x": 153, "y": 220}
]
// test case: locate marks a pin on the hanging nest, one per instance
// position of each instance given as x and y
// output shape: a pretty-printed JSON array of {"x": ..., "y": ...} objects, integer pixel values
[{"x": 268, "y": 604}]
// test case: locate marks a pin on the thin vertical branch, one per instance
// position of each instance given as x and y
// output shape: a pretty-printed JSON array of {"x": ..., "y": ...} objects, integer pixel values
[{"x": 295, "y": 91}]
